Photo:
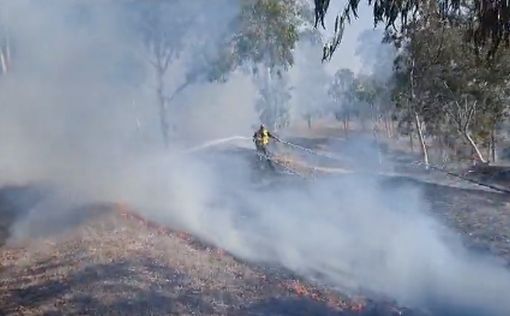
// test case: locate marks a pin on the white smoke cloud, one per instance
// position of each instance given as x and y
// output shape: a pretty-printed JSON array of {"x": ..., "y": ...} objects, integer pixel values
[
  {"x": 310, "y": 82},
  {"x": 68, "y": 116}
]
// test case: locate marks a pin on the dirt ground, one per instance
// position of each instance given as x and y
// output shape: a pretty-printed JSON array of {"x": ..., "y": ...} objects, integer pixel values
[
  {"x": 118, "y": 264},
  {"x": 481, "y": 216},
  {"x": 114, "y": 263}
]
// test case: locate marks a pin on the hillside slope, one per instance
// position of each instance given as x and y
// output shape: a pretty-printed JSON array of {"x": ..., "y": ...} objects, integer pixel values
[{"x": 118, "y": 264}]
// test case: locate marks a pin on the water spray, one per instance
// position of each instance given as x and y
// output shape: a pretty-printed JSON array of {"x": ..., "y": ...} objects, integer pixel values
[{"x": 215, "y": 142}]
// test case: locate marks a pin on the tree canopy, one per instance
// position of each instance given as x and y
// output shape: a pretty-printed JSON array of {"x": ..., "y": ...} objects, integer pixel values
[{"x": 488, "y": 21}]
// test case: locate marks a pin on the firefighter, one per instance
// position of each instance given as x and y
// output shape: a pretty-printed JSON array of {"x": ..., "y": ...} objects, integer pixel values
[{"x": 261, "y": 139}]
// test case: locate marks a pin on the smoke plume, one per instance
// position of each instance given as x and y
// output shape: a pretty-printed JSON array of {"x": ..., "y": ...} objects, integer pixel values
[{"x": 78, "y": 113}]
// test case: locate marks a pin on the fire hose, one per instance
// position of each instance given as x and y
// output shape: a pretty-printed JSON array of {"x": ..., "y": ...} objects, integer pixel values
[
  {"x": 308, "y": 150},
  {"x": 433, "y": 167},
  {"x": 283, "y": 166},
  {"x": 458, "y": 176}
]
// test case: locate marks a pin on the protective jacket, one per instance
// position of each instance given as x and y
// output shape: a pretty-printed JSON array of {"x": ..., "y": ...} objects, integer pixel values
[{"x": 262, "y": 137}]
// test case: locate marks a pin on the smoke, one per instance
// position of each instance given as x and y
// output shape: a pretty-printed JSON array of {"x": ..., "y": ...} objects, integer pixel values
[
  {"x": 78, "y": 113},
  {"x": 309, "y": 81},
  {"x": 377, "y": 57}
]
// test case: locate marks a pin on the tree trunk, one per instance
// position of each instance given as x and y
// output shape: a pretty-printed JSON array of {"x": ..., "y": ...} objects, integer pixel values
[
  {"x": 387, "y": 126},
  {"x": 493, "y": 145},
  {"x": 391, "y": 128},
  {"x": 3, "y": 62},
  {"x": 8, "y": 52},
  {"x": 272, "y": 103},
  {"x": 419, "y": 129},
  {"x": 379, "y": 147},
  {"x": 5, "y": 46},
  {"x": 162, "y": 108},
  {"x": 411, "y": 142},
  {"x": 475, "y": 147},
  {"x": 363, "y": 123},
  {"x": 345, "y": 120}
]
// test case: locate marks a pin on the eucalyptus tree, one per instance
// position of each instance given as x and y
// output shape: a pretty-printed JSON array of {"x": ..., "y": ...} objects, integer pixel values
[
  {"x": 162, "y": 26},
  {"x": 263, "y": 44},
  {"x": 486, "y": 22}
]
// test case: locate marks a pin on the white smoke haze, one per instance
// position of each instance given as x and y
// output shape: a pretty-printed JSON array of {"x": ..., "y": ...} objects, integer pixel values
[
  {"x": 377, "y": 57},
  {"x": 213, "y": 110},
  {"x": 310, "y": 81},
  {"x": 68, "y": 117}
]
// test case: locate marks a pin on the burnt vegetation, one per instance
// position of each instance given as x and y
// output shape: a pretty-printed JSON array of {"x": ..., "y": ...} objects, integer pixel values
[{"x": 436, "y": 98}]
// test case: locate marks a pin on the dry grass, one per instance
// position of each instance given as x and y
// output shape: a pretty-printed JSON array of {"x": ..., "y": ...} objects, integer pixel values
[
  {"x": 119, "y": 264},
  {"x": 479, "y": 215}
]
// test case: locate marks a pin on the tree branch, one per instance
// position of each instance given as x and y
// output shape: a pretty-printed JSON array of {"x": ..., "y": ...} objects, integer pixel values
[{"x": 471, "y": 113}]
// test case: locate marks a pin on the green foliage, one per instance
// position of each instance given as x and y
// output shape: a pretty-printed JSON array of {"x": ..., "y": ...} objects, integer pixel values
[
  {"x": 362, "y": 96},
  {"x": 446, "y": 81},
  {"x": 267, "y": 33},
  {"x": 486, "y": 20},
  {"x": 342, "y": 92}
]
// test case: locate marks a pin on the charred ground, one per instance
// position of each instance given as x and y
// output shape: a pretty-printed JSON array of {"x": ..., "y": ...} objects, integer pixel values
[
  {"x": 116, "y": 263},
  {"x": 110, "y": 261}
]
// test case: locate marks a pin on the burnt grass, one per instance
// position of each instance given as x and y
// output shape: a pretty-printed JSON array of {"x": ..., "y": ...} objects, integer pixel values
[
  {"x": 116, "y": 263},
  {"x": 112, "y": 262},
  {"x": 480, "y": 217}
]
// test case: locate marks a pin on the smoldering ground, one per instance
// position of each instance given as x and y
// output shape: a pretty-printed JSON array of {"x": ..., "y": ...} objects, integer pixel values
[
  {"x": 67, "y": 119},
  {"x": 347, "y": 231}
]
